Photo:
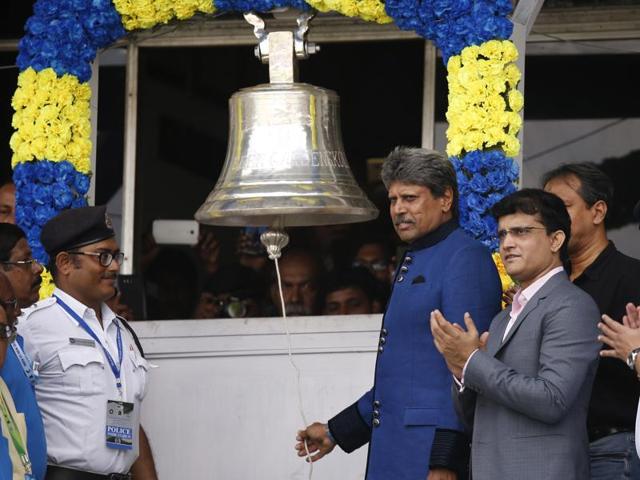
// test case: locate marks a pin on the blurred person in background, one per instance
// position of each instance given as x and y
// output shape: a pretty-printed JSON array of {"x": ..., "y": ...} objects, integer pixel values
[
  {"x": 19, "y": 288},
  {"x": 234, "y": 291},
  {"x": 350, "y": 292},
  {"x": 8, "y": 202},
  {"x": 301, "y": 272}
]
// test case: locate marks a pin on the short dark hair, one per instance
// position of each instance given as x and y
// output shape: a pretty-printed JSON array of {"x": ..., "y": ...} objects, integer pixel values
[
  {"x": 420, "y": 166},
  {"x": 595, "y": 185},
  {"x": 358, "y": 277},
  {"x": 534, "y": 201},
  {"x": 10, "y": 234}
]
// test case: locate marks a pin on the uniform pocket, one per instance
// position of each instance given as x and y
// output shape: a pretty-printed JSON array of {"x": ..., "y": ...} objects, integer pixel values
[{"x": 83, "y": 370}]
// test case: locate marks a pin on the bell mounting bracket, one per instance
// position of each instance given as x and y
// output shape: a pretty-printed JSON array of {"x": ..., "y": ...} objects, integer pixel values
[{"x": 282, "y": 49}]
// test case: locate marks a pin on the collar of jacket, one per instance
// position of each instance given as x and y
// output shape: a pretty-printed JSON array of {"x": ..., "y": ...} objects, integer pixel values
[{"x": 435, "y": 236}]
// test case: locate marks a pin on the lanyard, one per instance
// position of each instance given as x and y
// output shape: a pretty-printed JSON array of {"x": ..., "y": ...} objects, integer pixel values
[
  {"x": 116, "y": 369},
  {"x": 14, "y": 433},
  {"x": 28, "y": 366}
]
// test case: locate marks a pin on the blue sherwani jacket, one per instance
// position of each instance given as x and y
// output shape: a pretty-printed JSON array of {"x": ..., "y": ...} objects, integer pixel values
[{"x": 408, "y": 416}]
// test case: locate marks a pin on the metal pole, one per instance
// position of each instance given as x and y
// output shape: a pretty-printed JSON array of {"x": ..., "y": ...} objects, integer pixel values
[
  {"x": 94, "y": 85},
  {"x": 523, "y": 19},
  {"x": 129, "y": 169},
  {"x": 429, "y": 96}
]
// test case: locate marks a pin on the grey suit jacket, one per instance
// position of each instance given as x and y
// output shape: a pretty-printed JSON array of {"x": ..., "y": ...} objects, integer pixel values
[{"x": 526, "y": 398}]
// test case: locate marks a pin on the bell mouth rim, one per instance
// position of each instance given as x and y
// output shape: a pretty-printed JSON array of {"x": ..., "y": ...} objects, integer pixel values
[{"x": 292, "y": 217}]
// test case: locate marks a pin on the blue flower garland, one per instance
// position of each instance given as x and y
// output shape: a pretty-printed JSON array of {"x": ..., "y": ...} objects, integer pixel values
[
  {"x": 44, "y": 189},
  {"x": 453, "y": 24},
  {"x": 66, "y": 34},
  {"x": 484, "y": 178}
]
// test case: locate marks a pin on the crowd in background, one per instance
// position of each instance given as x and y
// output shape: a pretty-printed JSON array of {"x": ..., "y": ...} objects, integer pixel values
[{"x": 330, "y": 270}]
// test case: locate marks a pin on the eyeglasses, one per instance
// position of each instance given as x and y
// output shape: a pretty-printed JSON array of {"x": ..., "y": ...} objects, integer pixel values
[
  {"x": 517, "y": 232},
  {"x": 8, "y": 332},
  {"x": 105, "y": 258},
  {"x": 375, "y": 266},
  {"x": 11, "y": 304},
  {"x": 29, "y": 262}
]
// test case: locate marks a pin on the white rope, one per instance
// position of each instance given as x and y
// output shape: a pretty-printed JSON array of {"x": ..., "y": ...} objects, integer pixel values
[{"x": 293, "y": 364}]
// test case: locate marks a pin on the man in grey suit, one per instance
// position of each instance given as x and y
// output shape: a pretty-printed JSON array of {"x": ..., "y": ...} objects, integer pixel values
[{"x": 524, "y": 388}]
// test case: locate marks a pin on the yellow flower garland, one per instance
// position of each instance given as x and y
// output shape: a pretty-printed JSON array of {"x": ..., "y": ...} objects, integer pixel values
[
  {"x": 368, "y": 10},
  {"x": 483, "y": 100},
  {"x": 142, "y": 14},
  {"x": 51, "y": 119}
]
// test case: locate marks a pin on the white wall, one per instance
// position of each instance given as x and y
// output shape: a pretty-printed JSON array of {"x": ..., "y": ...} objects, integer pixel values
[{"x": 222, "y": 403}]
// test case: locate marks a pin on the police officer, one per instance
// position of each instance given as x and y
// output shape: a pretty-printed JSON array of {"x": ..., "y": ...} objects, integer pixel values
[{"x": 92, "y": 375}]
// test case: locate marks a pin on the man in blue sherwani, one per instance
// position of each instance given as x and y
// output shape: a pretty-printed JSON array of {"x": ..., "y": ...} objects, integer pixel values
[{"x": 408, "y": 416}]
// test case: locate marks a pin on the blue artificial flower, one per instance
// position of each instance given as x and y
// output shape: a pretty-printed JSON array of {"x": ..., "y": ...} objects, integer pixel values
[
  {"x": 480, "y": 184},
  {"x": 79, "y": 202},
  {"x": 498, "y": 179},
  {"x": 477, "y": 202},
  {"x": 38, "y": 252},
  {"x": 62, "y": 196},
  {"x": 45, "y": 172},
  {"x": 24, "y": 215},
  {"x": 66, "y": 34},
  {"x": 40, "y": 194},
  {"x": 81, "y": 183},
  {"x": 43, "y": 214}
]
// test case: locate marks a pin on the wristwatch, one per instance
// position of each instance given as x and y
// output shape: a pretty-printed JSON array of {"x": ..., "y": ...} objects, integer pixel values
[{"x": 631, "y": 358}]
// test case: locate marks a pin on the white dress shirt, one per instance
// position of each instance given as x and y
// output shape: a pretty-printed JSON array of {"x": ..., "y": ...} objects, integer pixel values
[{"x": 76, "y": 382}]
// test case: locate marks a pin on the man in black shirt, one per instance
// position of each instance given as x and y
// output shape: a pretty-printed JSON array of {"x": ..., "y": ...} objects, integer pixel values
[{"x": 613, "y": 280}]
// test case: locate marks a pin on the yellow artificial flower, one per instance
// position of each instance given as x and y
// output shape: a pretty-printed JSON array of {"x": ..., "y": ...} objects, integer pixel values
[
  {"x": 512, "y": 74},
  {"x": 368, "y": 10},
  {"x": 46, "y": 286},
  {"x": 143, "y": 14},
  {"x": 516, "y": 100},
  {"x": 510, "y": 52},
  {"x": 469, "y": 54},
  {"x": 482, "y": 105},
  {"x": 505, "y": 279},
  {"x": 511, "y": 146}
]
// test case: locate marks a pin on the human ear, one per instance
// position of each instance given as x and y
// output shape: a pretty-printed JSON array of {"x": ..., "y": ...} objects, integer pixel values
[
  {"x": 64, "y": 263},
  {"x": 446, "y": 200},
  {"x": 599, "y": 212},
  {"x": 557, "y": 240}
]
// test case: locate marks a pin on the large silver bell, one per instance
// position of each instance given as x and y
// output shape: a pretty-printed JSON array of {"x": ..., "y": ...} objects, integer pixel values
[{"x": 285, "y": 163}]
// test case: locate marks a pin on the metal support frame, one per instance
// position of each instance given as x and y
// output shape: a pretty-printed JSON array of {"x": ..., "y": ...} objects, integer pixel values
[
  {"x": 94, "y": 84},
  {"x": 429, "y": 96},
  {"x": 523, "y": 19},
  {"x": 129, "y": 168}
]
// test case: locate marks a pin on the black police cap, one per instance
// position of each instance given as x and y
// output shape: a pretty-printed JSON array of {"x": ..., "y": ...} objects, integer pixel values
[{"x": 76, "y": 228}]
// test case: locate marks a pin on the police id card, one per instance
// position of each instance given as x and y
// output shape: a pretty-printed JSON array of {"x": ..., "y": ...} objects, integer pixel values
[{"x": 120, "y": 424}]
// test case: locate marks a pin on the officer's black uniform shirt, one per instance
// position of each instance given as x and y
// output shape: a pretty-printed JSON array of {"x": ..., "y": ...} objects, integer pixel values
[{"x": 613, "y": 280}]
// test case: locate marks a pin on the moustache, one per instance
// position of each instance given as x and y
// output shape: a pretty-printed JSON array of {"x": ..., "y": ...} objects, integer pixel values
[
  {"x": 296, "y": 309},
  {"x": 401, "y": 220}
]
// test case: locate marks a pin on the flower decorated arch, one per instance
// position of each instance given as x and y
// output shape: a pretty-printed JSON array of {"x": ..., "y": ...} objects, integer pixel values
[{"x": 51, "y": 142}]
